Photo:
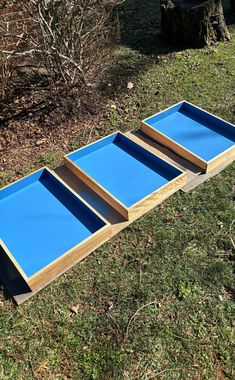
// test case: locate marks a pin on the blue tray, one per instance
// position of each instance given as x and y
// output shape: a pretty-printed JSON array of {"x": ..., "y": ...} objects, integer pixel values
[
  {"x": 122, "y": 170},
  {"x": 196, "y": 135},
  {"x": 41, "y": 220}
]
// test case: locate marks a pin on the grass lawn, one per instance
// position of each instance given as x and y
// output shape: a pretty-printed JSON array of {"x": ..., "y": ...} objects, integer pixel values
[{"x": 179, "y": 257}]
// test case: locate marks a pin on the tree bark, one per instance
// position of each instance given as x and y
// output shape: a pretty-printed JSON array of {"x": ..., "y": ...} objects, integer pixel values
[{"x": 193, "y": 23}]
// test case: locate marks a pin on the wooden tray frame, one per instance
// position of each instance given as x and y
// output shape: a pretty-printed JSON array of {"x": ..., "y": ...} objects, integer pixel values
[
  {"x": 13, "y": 284},
  {"x": 68, "y": 258},
  {"x": 207, "y": 166},
  {"x": 140, "y": 207}
]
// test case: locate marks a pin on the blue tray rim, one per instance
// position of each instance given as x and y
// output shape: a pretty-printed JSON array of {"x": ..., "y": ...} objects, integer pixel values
[
  {"x": 77, "y": 246},
  {"x": 145, "y": 122}
]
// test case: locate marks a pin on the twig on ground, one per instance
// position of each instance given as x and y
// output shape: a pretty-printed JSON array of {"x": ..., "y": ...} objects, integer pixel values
[
  {"x": 134, "y": 315},
  {"x": 89, "y": 137},
  {"x": 154, "y": 375},
  {"x": 115, "y": 322},
  {"x": 31, "y": 364},
  {"x": 230, "y": 231}
]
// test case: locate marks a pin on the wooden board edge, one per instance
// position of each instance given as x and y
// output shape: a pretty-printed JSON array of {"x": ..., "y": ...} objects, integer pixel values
[
  {"x": 164, "y": 110},
  {"x": 111, "y": 200},
  {"x": 221, "y": 159},
  {"x": 92, "y": 143},
  {"x": 26, "y": 176},
  {"x": 157, "y": 197},
  {"x": 55, "y": 175},
  {"x": 204, "y": 177},
  {"x": 152, "y": 150},
  {"x": 169, "y": 143},
  {"x": 209, "y": 113}
]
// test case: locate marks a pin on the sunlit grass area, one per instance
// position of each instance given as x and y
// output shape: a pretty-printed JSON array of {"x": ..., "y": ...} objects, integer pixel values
[{"x": 172, "y": 270}]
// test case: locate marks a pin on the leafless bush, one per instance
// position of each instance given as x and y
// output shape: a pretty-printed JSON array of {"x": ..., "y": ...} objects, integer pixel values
[
  {"x": 71, "y": 39},
  {"x": 5, "y": 76}
]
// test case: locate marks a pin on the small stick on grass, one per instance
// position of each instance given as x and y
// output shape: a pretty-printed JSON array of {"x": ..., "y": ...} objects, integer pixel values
[
  {"x": 134, "y": 315},
  {"x": 231, "y": 238},
  {"x": 156, "y": 374}
]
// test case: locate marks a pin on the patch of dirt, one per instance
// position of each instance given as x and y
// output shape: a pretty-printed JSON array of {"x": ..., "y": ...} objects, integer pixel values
[{"x": 31, "y": 127}]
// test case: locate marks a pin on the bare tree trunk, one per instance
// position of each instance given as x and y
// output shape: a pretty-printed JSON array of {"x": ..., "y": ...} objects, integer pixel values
[{"x": 193, "y": 22}]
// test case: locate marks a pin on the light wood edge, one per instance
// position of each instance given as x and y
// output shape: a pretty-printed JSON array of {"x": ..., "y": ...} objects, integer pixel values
[
  {"x": 207, "y": 166},
  {"x": 97, "y": 188},
  {"x": 171, "y": 144},
  {"x": 209, "y": 113},
  {"x": 227, "y": 155},
  {"x": 152, "y": 150},
  {"x": 13, "y": 260},
  {"x": 151, "y": 200},
  {"x": 43, "y": 275},
  {"x": 191, "y": 104},
  {"x": 69, "y": 258},
  {"x": 165, "y": 109},
  {"x": 76, "y": 254},
  {"x": 92, "y": 143},
  {"x": 53, "y": 173},
  {"x": 21, "y": 179},
  {"x": 91, "y": 182}
]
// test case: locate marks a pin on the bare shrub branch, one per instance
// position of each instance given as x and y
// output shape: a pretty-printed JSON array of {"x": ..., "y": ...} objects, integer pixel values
[{"x": 71, "y": 39}]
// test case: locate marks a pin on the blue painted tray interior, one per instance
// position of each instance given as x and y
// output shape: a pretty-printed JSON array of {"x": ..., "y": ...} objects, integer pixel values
[
  {"x": 126, "y": 170},
  {"x": 40, "y": 219},
  {"x": 194, "y": 129}
]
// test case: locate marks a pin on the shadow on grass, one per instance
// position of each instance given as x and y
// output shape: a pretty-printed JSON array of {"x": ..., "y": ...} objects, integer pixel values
[
  {"x": 140, "y": 27},
  {"x": 127, "y": 66},
  {"x": 11, "y": 283},
  {"x": 229, "y": 13},
  {"x": 139, "y": 23},
  {"x": 140, "y": 32}
]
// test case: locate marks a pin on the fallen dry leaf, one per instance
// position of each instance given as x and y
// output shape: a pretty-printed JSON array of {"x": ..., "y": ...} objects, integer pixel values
[
  {"x": 40, "y": 142},
  {"x": 130, "y": 85},
  {"x": 75, "y": 309}
]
